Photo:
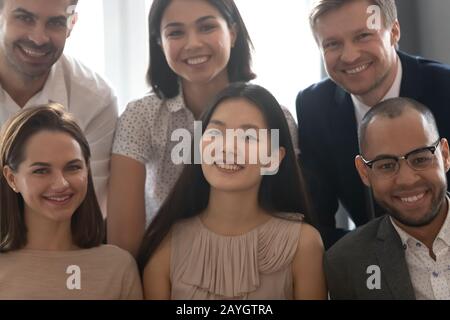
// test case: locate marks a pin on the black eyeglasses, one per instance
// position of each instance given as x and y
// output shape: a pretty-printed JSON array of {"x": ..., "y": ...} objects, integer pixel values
[{"x": 388, "y": 166}]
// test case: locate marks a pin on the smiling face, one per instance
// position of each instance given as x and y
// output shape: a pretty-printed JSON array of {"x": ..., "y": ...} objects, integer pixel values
[
  {"x": 196, "y": 41},
  {"x": 413, "y": 198},
  {"x": 32, "y": 35},
  {"x": 361, "y": 60},
  {"x": 52, "y": 178},
  {"x": 237, "y": 165}
]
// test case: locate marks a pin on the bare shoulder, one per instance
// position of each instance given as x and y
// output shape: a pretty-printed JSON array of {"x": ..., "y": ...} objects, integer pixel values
[{"x": 310, "y": 238}]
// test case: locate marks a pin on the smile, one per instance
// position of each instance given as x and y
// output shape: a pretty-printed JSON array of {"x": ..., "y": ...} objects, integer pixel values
[
  {"x": 413, "y": 198},
  {"x": 33, "y": 53},
  {"x": 229, "y": 167},
  {"x": 63, "y": 199},
  {"x": 357, "y": 70},
  {"x": 197, "y": 60}
]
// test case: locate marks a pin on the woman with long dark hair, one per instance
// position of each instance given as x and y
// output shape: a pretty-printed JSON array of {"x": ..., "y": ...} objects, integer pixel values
[
  {"x": 51, "y": 226},
  {"x": 197, "y": 47},
  {"x": 227, "y": 230}
]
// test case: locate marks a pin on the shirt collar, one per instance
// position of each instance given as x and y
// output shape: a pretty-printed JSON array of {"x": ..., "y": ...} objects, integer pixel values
[
  {"x": 393, "y": 92},
  {"x": 444, "y": 233}
]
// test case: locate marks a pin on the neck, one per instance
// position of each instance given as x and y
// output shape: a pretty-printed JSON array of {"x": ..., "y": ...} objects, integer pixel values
[
  {"x": 233, "y": 213},
  {"x": 47, "y": 235},
  {"x": 375, "y": 95},
  {"x": 20, "y": 88},
  {"x": 427, "y": 234},
  {"x": 197, "y": 96}
]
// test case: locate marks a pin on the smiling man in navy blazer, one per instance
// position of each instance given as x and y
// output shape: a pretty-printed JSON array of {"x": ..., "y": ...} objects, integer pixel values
[{"x": 364, "y": 68}]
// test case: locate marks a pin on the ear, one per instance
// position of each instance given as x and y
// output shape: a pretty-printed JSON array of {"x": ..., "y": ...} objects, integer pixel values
[
  {"x": 72, "y": 20},
  {"x": 362, "y": 170},
  {"x": 395, "y": 33},
  {"x": 233, "y": 34},
  {"x": 10, "y": 177},
  {"x": 445, "y": 154}
]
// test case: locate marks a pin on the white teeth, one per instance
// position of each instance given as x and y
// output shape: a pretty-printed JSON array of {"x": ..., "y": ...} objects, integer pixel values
[
  {"x": 413, "y": 199},
  {"x": 32, "y": 53},
  {"x": 231, "y": 167},
  {"x": 199, "y": 60},
  {"x": 358, "y": 69},
  {"x": 58, "y": 199}
]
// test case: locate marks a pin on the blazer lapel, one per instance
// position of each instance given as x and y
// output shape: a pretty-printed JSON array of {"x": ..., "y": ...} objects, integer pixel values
[
  {"x": 391, "y": 257},
  {"x": 411, "y": 85}
]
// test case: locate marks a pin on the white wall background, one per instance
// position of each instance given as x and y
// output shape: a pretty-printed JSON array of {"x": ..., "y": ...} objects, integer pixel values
[{"x": 111, "y": 37}]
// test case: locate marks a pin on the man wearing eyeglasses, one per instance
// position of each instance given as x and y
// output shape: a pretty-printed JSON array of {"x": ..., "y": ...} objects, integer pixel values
[
  {"x": 358, "y": 41},
  {"x": 405, "y": 254},
  {"x": 34, "y": 71}
]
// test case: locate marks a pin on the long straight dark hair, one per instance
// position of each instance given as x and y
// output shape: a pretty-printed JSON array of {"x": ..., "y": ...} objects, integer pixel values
[{"x": 282, "y": 193}]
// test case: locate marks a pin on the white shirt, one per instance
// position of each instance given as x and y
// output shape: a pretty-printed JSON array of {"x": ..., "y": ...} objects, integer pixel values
[
  {"x": 89, "y": 99},
  {"x": 430, "y": 279},
  {"x": 144, "y": 134},
  {"x": 394, "y": 92}
]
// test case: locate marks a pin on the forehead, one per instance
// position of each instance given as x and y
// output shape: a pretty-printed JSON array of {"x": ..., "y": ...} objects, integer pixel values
[
  {"x": 39, "y": 7},
  {"x": 186, "y": 11},
  {"x": 399, "y": 135},
  {"x": 345, "y": 20},
  {"x": 52, "y": 147},
  {"x": 237, "y": 112}
]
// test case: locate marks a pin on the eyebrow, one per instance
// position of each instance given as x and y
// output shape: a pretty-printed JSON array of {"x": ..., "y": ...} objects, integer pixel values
[
  {"x": 47, "y": 165},
  {"x": 244, "y": 126},
  {"x": 179, "y": 24},
  {"x": 24, "y": 11}
]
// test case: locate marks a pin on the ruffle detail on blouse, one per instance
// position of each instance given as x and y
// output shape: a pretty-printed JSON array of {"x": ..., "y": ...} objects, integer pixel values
[{"x": 230, "y": 266}]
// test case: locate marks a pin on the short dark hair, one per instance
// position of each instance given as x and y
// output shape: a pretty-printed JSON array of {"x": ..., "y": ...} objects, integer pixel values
[
  {"x": 73, "y": 2},
  {"x": 161, "y": 77},
  {"x": 321, "y": 7},
  {"x": 393, "y": 108},
  {"x": 87, "y": 222},
  {"x": 283, "y": 194}
]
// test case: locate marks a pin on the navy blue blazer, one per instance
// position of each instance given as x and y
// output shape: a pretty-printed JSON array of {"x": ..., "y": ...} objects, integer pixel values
[{"x": 328, "y": 140}]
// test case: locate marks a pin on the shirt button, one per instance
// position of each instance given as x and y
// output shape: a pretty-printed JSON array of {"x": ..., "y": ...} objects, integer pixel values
[
  {"x": 435, "y": 274},
  {"x": 405, "y": 246}
]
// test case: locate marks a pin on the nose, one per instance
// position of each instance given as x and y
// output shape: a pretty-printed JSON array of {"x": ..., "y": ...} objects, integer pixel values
[
  {"x": 406, "y": 175},
  {"x": 230, "y": 147},
  {"x": 193, "y": 40},
  {"x": 59, "y": 182},
  {"x": 39, "y": 35},
  {"x": 350, "y": 53}
]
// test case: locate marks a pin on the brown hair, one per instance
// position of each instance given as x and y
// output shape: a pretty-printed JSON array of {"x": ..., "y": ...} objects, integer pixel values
[
  {"x": 320, "y": 7},
  {"x": 87, "y": 222}
]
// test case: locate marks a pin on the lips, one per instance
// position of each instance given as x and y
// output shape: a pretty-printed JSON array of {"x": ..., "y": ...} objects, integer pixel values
[
  {"x": 412, "y": 199},
  {"x": 61, "y": 199},
  {"x": 34, "y": 54}
]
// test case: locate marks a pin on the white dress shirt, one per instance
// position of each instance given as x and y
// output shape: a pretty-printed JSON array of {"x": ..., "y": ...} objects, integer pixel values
[
  {"x": 394, "y": 92},
  {"x": 430, "y": 278},
  {"x": 89, "y": 99}
]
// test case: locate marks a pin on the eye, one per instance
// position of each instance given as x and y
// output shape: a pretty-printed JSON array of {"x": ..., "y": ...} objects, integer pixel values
[
  {"x": 175, "y": 33},
  {"x": 212, "y": 133},
  {"x": 330, "y": 45},
  {"x": 385, "y": 165},
  {"x": 40, "y": 171},
  {"x": 363, "y": 36},
  {"x": 57, "y": 23},
  {"x": 25, "y": 18},
  {"x": 207, "y": 27},
  {"x": 74, "y": 167}
]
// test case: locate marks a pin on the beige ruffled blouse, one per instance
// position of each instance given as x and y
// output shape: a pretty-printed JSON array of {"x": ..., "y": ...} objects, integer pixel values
[{"x": 255, "y": 265}]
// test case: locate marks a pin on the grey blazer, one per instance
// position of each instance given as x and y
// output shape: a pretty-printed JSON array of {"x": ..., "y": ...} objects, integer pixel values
[{"x": 353, "y": 262}]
